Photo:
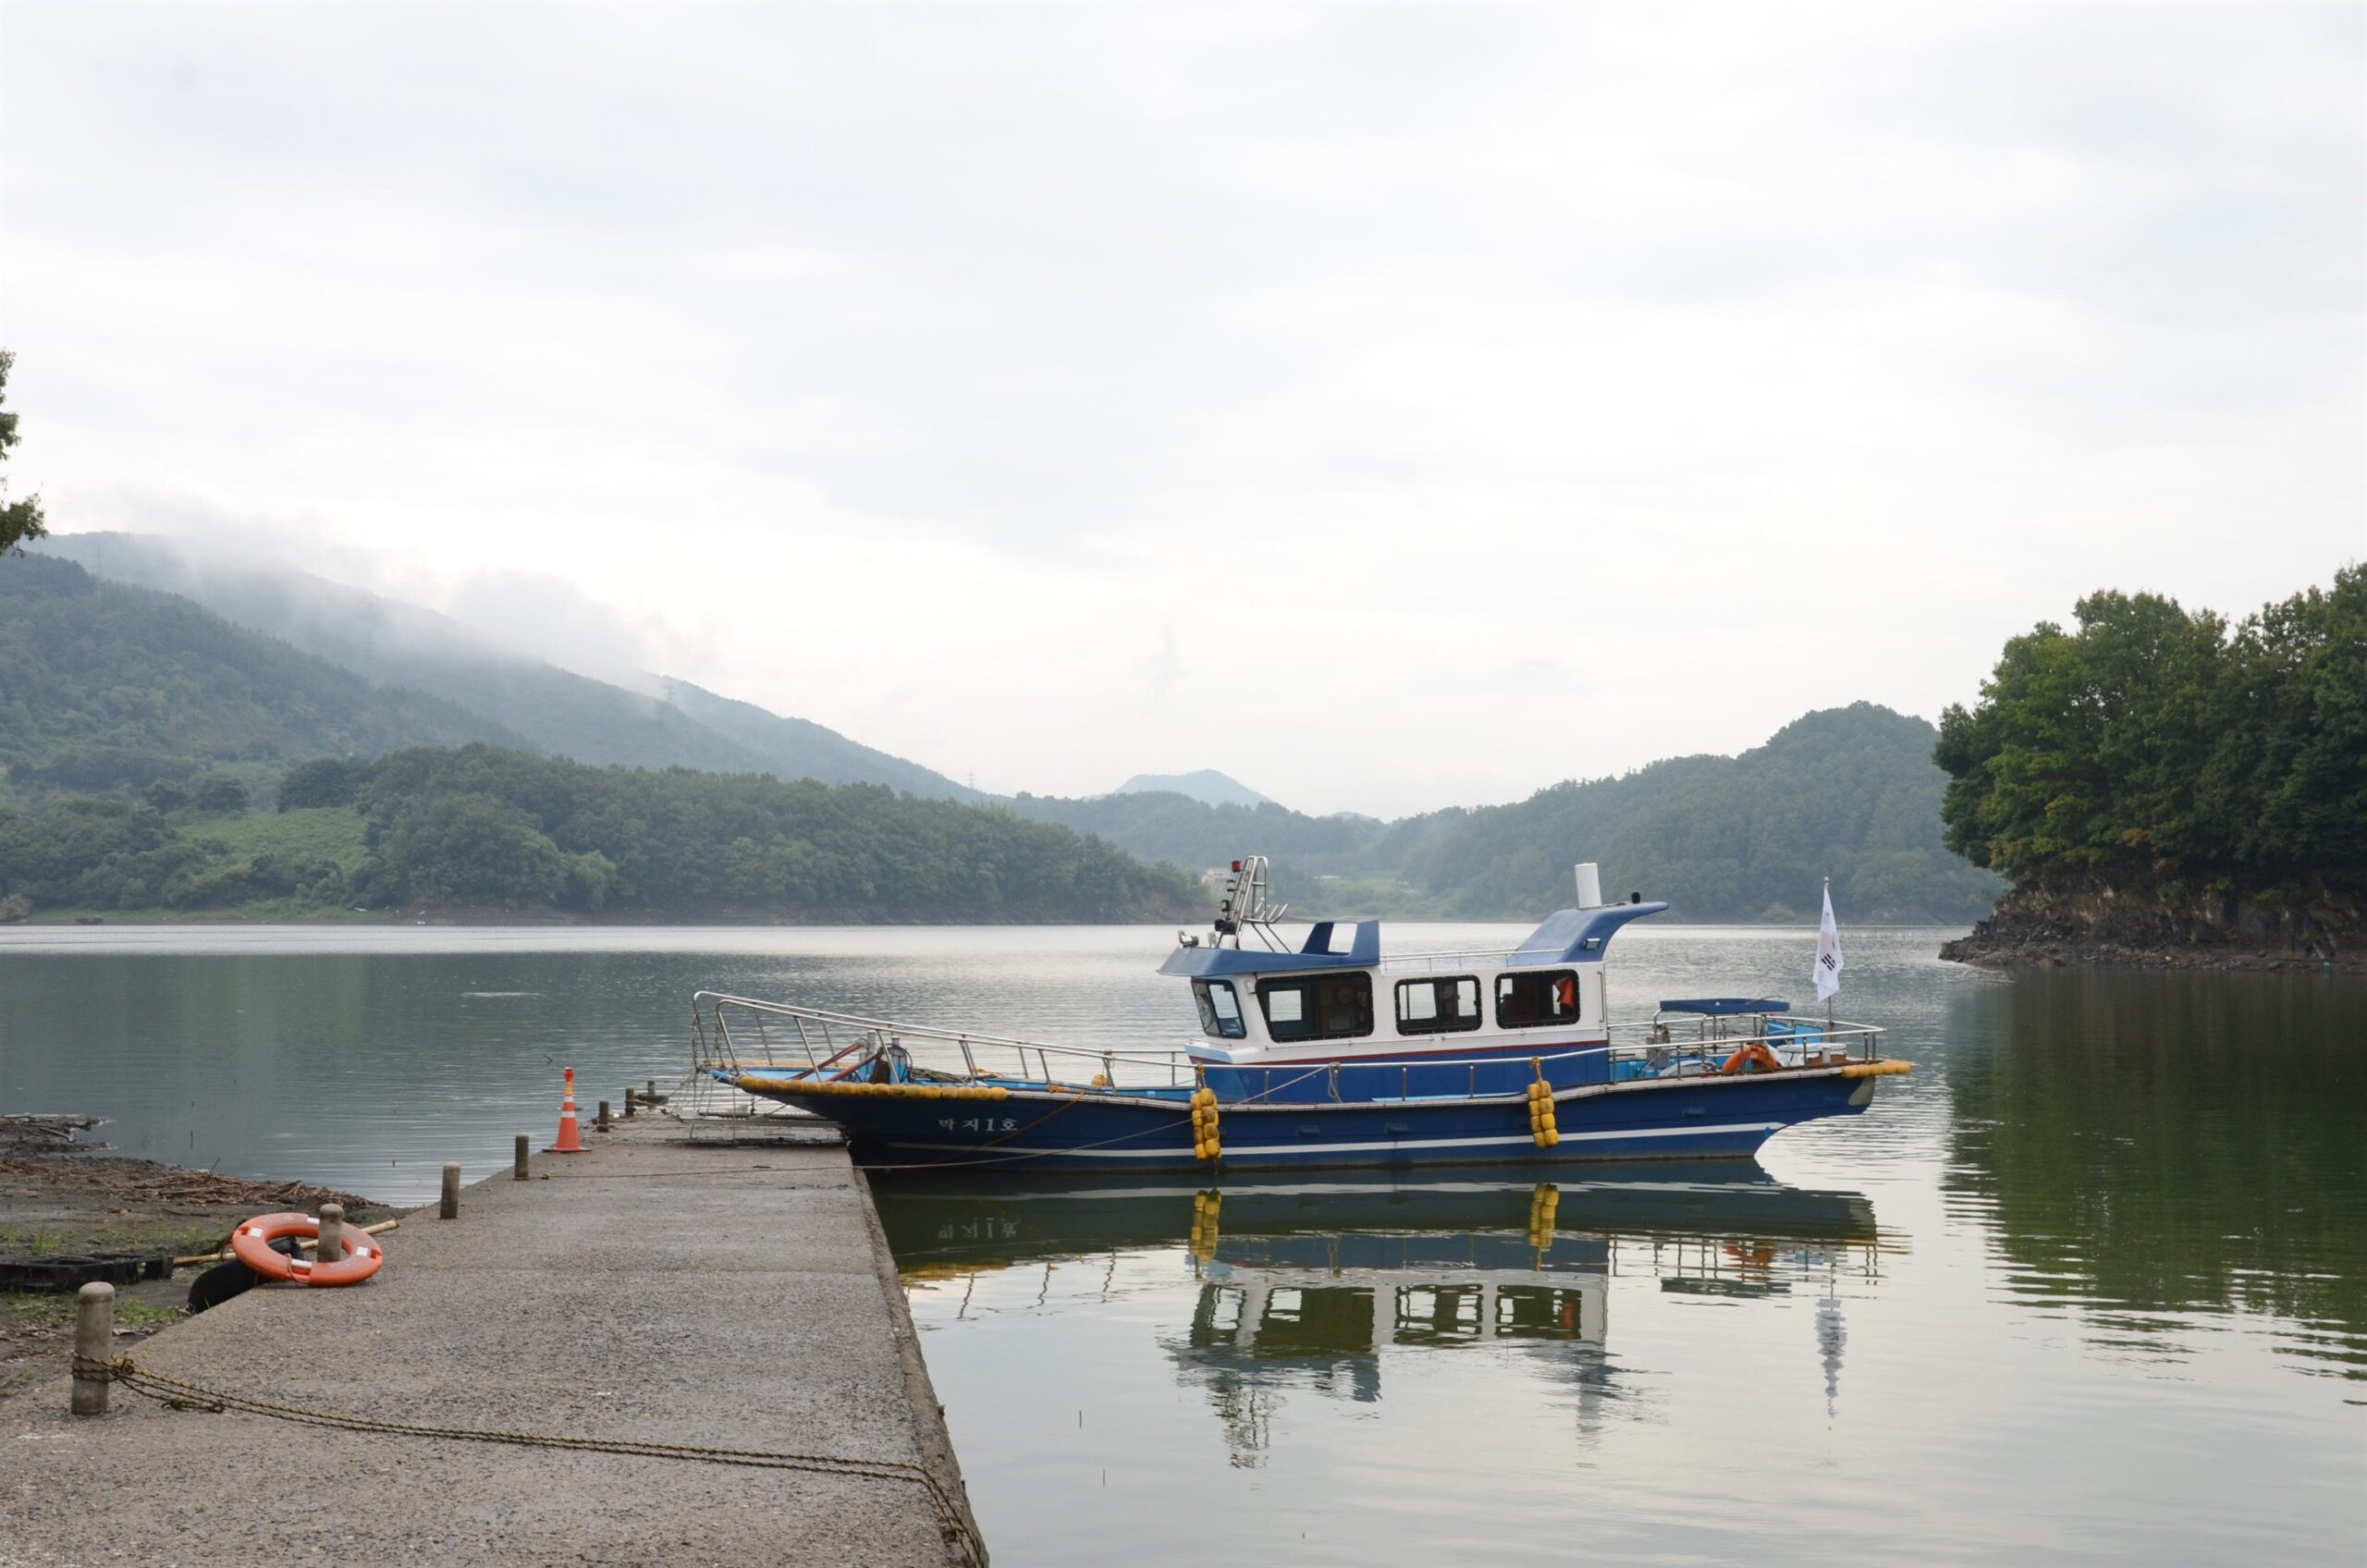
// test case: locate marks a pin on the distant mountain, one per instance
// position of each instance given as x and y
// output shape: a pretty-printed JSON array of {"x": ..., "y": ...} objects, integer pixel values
[
  {"x": 103, "y": 685},
  {"x": 533, "y": 704},
  {"x": 1163, "y": 826},
  {"x": 797, "y": 748},
  {"x": 1851, "y": 792},
  {"x": 1847, "y": 793},
  {"x": 1208, "y": 786}
]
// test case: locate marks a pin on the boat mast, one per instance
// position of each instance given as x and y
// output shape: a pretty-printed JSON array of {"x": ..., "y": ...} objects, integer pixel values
[{"x": 1246, "y": 906}]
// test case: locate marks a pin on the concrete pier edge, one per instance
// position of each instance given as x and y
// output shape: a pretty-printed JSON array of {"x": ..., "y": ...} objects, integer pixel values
[
  {"x": 935, "y": 1439},
  {"x": 723, "y": 1304}
]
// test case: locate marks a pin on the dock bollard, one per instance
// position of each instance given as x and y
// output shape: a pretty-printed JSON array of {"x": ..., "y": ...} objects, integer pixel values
[
  {"x": 93, "y": 1337},
  {"x": 519, "y": 1169},
  {"x": 330, "y": 1248},
  {"x": 602, "y": 1120},
  {"x": 450, "y": 1207}
]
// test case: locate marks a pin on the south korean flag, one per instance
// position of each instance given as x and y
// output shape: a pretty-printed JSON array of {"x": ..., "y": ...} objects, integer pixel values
[{"x": 1828, "y": 951}]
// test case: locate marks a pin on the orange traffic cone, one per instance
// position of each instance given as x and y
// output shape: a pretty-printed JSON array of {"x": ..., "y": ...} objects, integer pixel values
[{"x": 568, "y": 1140}]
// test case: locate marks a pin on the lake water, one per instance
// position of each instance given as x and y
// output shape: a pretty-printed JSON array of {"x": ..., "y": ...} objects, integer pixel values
[{"x": 2089, "y": 1285}]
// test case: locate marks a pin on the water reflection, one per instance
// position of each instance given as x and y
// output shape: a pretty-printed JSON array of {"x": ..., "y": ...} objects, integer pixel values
[
  {"x": 1322, "y": 1285},
  {"x": 2151, "y": 1152}
]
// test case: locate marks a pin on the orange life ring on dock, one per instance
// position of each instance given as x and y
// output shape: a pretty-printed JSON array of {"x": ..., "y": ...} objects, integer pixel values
[
  {"x": 1754, "y": 1058},
  {"x": 251, "y": 1240}
]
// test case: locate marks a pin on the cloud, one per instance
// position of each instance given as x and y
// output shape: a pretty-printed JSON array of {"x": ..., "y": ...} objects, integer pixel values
[{"x": 912, "y": 369}]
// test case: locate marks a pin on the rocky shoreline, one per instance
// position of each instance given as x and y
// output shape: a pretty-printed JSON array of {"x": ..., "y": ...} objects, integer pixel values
[
  {"x": 1987, "y": 951},
  {"x": 2110, "y": 925}
]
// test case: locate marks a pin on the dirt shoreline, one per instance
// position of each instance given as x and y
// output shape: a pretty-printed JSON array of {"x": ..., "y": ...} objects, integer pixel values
[{"x": 58, "y": 1202}]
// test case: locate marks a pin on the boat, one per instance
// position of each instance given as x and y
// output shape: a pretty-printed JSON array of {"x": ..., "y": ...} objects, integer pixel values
[{"x": 1318, "y": 1049}]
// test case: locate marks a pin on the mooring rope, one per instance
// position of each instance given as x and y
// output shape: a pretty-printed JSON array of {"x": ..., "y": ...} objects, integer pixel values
[{"x": 180, "y": 1395}]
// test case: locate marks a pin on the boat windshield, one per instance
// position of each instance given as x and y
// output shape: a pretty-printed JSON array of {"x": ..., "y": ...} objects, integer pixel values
[{"x": 1219, "y": 1008}]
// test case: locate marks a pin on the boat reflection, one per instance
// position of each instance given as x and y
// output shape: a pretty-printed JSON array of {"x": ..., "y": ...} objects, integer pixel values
[{"x": 1318, "y": 1284}]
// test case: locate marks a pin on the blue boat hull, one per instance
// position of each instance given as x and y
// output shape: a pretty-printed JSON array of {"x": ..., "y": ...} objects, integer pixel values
[{"x": 1018, "y": 1128}]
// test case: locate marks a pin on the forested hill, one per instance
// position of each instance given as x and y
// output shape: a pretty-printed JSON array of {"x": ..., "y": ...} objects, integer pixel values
[
  {"x": 118, "y": 689},
  {"x": 2159, "y": 783},
  {"x": 103, "y": 685},
  {"x": 1847, "y": 793},
  {"x": 483, "y": 830},
  {"x": 543, "y": 707}
]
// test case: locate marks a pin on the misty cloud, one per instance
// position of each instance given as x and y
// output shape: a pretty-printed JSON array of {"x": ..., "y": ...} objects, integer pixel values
[{"x": 1675, "y": 368}]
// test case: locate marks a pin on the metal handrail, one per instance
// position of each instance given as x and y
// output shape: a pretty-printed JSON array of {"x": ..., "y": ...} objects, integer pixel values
[
  {"x": 1473, "y": 957},
  {"x": 816, "y": 1026}
]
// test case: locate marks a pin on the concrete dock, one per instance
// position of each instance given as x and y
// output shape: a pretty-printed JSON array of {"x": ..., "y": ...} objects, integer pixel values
[{"x": 654, "y": 1289}]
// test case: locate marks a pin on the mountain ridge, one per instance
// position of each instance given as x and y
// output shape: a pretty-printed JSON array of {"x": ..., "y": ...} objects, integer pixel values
[
  {"x": 111, "y": 686},
  {"x": 534, "y": 702}
]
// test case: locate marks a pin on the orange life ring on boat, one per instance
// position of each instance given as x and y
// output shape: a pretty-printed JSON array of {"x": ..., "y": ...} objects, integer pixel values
[
  {"x": 251, "y": 1240},
  {"x": 1754, "y": 1058}
]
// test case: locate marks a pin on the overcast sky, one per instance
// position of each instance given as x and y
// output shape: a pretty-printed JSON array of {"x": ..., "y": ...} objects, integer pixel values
[{"x": 1392, "y": 407}]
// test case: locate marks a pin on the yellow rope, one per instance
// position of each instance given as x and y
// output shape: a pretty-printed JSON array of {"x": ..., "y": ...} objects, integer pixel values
[
  {"x": 182, "y": 1395},
  {"x": 754, "y": 1084}
]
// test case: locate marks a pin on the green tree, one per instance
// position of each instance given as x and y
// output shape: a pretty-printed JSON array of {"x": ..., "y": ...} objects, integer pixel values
[
  {"x": 20, "y": 519},
  {"x": 326, "y": 781},
  {"x": 220, "y": 792},
  {"x": 2158, "y": 743}
]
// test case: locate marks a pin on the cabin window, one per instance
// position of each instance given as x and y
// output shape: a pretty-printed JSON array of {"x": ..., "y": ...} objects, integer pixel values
[
  {"x": 1438, "y": 1007},
  {"x": 1219, "y": 1008},
  {"x": 1329, "y": 1007},
  {"x": 1531, "y": 999}
]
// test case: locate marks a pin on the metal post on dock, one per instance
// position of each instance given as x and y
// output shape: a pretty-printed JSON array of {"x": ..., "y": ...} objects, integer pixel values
[
  {"x": 450, "y": 1207},
  {"x": 519, "y": 1169},
  {"x": 93, "y": 1337},
  {"x": 330, "y": 1248},
  {"x": 601, "y": 1122}
]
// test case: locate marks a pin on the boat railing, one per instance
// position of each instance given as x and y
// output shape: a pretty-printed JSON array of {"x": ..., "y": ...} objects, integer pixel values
[
  {"x": 1428, "y": 963},
  {"x": 1733, "y": 1031},
  {"x": 1656, "y": 1049},
  {"x": 747, "y": 1034}
]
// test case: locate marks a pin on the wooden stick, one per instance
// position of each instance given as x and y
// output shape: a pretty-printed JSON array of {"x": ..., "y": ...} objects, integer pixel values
[{"x": 449, "y": 1203}]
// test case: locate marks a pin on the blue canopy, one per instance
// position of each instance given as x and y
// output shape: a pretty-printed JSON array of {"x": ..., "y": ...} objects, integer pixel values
[
  {"x": 1363, "y": 954},
  {"x": 1577, "y": 936},
  {"x": 1725, "y": 1007}
]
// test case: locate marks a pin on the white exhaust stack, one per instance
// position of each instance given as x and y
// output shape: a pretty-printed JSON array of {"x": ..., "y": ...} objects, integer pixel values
[{"x": 1589, "y": 886}]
